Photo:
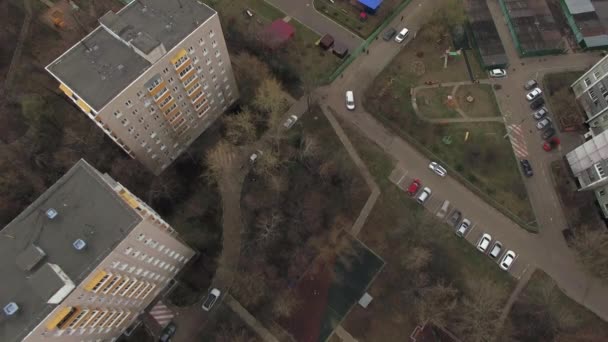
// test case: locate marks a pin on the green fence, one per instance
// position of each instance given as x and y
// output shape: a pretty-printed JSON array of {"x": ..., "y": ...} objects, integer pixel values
[{"x": 365, "y": 44}]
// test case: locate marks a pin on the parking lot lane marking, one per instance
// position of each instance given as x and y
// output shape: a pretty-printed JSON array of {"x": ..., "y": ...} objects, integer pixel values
[
  {"x": 470, "y": 230},
  {"x": 401, "y": 179}
]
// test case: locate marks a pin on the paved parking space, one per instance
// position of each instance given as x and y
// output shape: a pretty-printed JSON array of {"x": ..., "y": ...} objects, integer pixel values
[{"x": 400, "y": 176}]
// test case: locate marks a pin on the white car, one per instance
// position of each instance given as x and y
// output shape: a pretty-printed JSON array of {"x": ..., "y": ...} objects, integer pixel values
[
  {"x": 507, "y": 260},
  {"x": 214, "y": 294},
  {"x": 290, "y": 121},
  {"x": 496, "y": 73},
  {"x": 424, "y": 195},
  {"x": 495, "y": 250},
  {"x": 484, "y": 243},
  {"x": 463, "y": 228},
  {"x": 438, "y": 169},
  {"x": 543, "y": 123},
  {"x": 350, "y": 100},
  {"x": 402, "y": 35},
  {"x": 536, "y": 92}
]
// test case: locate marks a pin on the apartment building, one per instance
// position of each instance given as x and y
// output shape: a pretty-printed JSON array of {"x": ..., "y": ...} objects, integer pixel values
[
  {"x": 152, "y": 76},
  {"x": 591, "y": 92},
  {"x": 83, "y": 260}
]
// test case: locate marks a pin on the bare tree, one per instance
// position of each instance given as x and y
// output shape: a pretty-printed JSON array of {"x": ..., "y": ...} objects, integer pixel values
[
  {"x": 309, "y": 147},
  {"x": 268, "y": 163},
  {"x": 270, "y": 96},
  {"x": 285, "y": 303},
  {"x": 592, "y": 248},
  {"x": 251, "y": 71},
  {"x": 218, "y": 159},
  {"x": 250, "y": 287},
  {"x": 268, "y": 225},
  {"x": 481, "y": 309},
  {"x": 417, "y": 259},
  {"x": 436, "y": 303},
  {"x": 240, "y": 128}
]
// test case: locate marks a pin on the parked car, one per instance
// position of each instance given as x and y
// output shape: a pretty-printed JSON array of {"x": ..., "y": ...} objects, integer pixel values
[
  {"x": 530, "y": 84},
  {"x": 463, "y": 228},
  {"x": 550, "y": 144},
  {"x": 454, "y": 219},
  {"x": 438, "y": 169},
  {"x": 424, "y": 195},
  {"x": 212, "y": 297},
  {"x": 484, "y": 242},
  {"x": 402, "y": 35},
  {"x": 496, "y": 73},
  {"x": 543, "y": 123},
  {"x": 414, "y": 186},
  {"x": 290, "y": 121},
  {"x": 444, "y": 209},
  {"x": 527, "y": 167},
  {"x": 507, "y": 260},
  {"x": 539, "y": 114},
  {"x": 168, "y": 332},
  {"x": 495, "y": 250},
  {"x": 350, "y": 100},
  {"x": 536, "y": 92},
  {"x": 536, "y": 104},
  {"x": 389, "y": 34},
  {"x": 254, "y": 156},
  {"x": 548, "y": 133}
]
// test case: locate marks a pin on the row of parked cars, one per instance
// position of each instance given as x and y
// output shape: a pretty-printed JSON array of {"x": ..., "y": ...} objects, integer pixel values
[
  {"x": 541, "y": 115},
  {"x": 462, "y": 225}
]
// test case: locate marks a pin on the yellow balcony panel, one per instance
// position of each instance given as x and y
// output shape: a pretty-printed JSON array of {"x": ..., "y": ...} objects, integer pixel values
[
  {"x": 199, "y": 100},
  {"x": 83, "y": 106},
  {"x": 195, "y": 94},
  {"x": 167, "y": 105},
  {"x": 65, "y": 90},
  {"x": 183, "y": 66},
  {"x": 164, "y": 97},
  {"x": 188, "y": 74},
  {"x": 181, "y": 53},
  {"x": 158, "y": 88},
  {"x": 172, "y": 114},
  {"x": 191, "y": 85},
  {"x": 129, "y": 199},
  {"x": 69, "y": 318},
  {"x": 95, "y": 280},
  {"x": 58, "y": 317}
]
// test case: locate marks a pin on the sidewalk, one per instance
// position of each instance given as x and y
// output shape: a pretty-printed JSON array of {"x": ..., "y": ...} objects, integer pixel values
[{"x": 253, "y": 323}]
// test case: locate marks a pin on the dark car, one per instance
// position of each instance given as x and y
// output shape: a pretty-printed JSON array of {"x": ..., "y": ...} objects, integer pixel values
[
  {"x": 525, "y": 165},
  {"x": 454, "y": 219},
  {"x": 168, "y": 332},
  {"x": 548, "y": 133},
  {"x": 536, "y": 104},
  {"x": 389, "y": 34}
]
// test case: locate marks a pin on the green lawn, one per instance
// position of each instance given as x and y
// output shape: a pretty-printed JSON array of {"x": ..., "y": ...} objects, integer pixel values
[
  {"x": 562, "y": 102},
  {"x": 343, "y": 12},
  {"x": 484, "y": 161},
  {"x": 302, "y": 54},
  {"x": 395, "y": 226},
  {"x": 543, "y": 313},
  {"x": 484, "y": 102},
  {"x": 432, "y": 103}
]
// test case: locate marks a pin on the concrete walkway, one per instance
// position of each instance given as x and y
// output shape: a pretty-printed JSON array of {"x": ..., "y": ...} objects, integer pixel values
[
  {"x": 25, "y": 29},
  {"x": 344, "y": 335},
  {"x": 253, "y": 323},
  {"x": 521, "y": 285},
  {"x": 305, "y": 12}
]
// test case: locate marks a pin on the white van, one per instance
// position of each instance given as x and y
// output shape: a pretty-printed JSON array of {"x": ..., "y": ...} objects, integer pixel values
[
  {"x": 424, "y": 195},
  {"x": 350, "y": 100},
  {"x": 402, "y": 35}
]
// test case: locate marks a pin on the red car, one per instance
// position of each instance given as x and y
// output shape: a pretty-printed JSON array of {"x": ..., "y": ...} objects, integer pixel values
[
  {"x": 414, "y": 186},
  {"x": 551, "y": 144}
]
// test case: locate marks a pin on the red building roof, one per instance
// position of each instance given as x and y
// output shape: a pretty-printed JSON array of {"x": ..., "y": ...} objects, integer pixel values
[{"x": 277, "y": 33}]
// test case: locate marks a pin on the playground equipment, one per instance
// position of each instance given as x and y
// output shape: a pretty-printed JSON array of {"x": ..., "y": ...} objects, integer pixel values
[{"x": 449, "y": 53}]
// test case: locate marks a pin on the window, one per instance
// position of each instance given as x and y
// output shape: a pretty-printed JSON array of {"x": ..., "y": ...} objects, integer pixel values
[
  {"x": 131, "y": 130},
  {"x": 139, "y": 270},
  {"x": 185, "y": 71},
  {"x": 162, "y": 264},
  {"x": 191, "y": 49},
  {"x": 156, "y": 262},
  {"x": 211, "y": 71},
  {"x": 180, "y": 61},
  {"x": 201, "y": 41},
  {"x": 172, "y": 107},
  {"x": 152, "y": 109},
  {"x": 134, "y": 112},
  {"x": 189, "y": 80},
  {"x": 601, "y": 192},
  {"x": 150, "y": 260},
  {"x": 160, "y": 94},
  {"x": 163, "y": 147},
  {"x": 223, "y": 70},
  {"x": 129, "y": 103},
  {"x": 214, "y": 44},
  {"x": 171, "y": 80},
  {"x": 176, "y": 256},
  {"x": 217, "y": 53},
  {"x": 143, "y": 256},
  {"x": 146, "y": 126},
  {"x": 205, "y": 51},
  {"x": 214, "y": 78},
  {"x": 227, "y": 86},
  {"x": 587, "y": 81},
  {"x": 208, "y": 61},
  {"x": 128, "y": 250},
  {"x": 116, "y": 263},
  {"x": 117, "y": 114},
  {"x": 220, "y": 62},
  {"x": 175, "y": 89},
  {"x": 140, "y": 93},
  {"x": 195, "y": 59},
  {"x": 140, "y": 119},
  {"x": 154, "y": 84},
  {"x": 211, "y": 34},
  {"x": 171, "y": 254},
  {"x": 165, "y": 101},
  {"x": 166, "y": 70},
  {"x": 596, "y": 74},
  {"x": 131, "y": 269},
  {"x": 153, "y": 135}
]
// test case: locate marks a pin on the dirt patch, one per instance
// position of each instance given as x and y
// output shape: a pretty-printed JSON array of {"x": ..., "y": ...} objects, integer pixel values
[
  {"x": 483, "y": 102},
  {"x": 562, "y": 103},
  {"x": 435, "y": 103}
]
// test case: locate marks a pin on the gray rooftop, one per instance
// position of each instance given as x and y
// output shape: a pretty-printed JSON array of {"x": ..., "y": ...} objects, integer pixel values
[
  {"x": 588, "y": 154},
  {"x": 100, "y": 66},
  {"x": 579, "y": 6},
  {"x": 88, "y": 209}
]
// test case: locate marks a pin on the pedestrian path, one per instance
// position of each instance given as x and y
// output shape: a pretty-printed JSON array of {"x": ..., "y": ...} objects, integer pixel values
[
  {"x": 251, "y": 321},
  {"x": 518, "y": 141},
  {"x": 162, "y": 314}
]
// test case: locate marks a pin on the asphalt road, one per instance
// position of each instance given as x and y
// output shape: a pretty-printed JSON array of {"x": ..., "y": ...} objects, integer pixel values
[{"x": 546, "y": 250}]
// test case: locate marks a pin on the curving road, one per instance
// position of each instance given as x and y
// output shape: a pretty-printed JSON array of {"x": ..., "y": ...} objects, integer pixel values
[{"x": 547, "y": 250}]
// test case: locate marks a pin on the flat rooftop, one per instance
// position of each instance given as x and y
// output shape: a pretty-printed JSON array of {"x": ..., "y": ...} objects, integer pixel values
[
  {"x": 101, "y": 65},
  {"x": 88, "y": 209}
]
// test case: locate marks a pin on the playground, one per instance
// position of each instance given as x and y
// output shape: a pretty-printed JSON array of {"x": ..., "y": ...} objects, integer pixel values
[{"x": 329, "y": 289}]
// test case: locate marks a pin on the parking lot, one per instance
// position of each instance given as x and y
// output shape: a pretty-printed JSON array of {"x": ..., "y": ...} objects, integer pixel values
[{"x": 402, "y": 178}]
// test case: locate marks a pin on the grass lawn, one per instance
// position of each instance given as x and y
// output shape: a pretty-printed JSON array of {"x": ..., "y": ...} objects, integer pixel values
[
  {"x": 396, "y": 226},
  {"x": 347, "y": 15},
  {"x": 226, "y": 325},
  {"x": 485, "y": 161},
  {"x": 562, "y": 102},
  {"x": 432, "y": 103},
  {"x": 484, "y": 103},
  {"x": 543, "y": 313},
  {"x": 301, "y": 54}
]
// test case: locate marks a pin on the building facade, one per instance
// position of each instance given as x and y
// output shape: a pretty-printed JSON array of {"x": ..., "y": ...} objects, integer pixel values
[
  {"x": 591, "y": 92},
  {"x": 83, "y": 261},
  {"x": 152, "y": 76}
]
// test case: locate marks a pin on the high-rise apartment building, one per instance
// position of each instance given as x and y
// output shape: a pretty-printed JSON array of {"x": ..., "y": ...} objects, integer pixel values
[
  {"x": 152, "y": 76},
  {"x": 591, "y": 91},
  {"x": 83, "y": 260}
]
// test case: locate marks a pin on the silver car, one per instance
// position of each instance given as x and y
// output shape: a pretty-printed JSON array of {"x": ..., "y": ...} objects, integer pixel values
[
  {"x": 541, "y": 113},
  {"x": 438, "y": 169},
  {"x": 291, "y": 120},
  {"x": 463, "y": 228},
  {"x": 507, "y": 260},
  {"x": 484, "y": 243},
  {"x": 543, "y": 123}
]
